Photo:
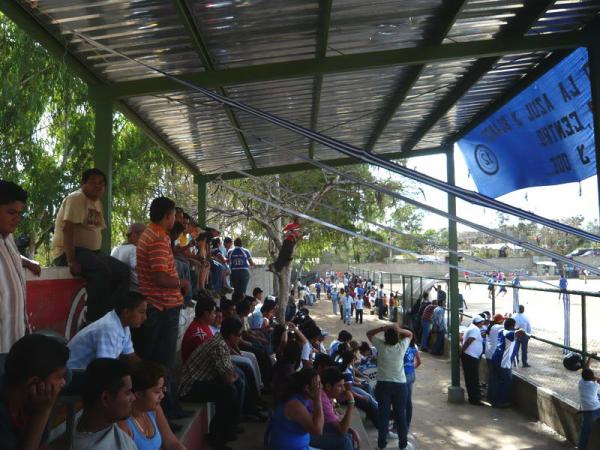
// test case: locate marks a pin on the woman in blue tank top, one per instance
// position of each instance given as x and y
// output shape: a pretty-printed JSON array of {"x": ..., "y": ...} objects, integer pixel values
[
  {"x": 292, "y": 422},
  {"x": 147, "y": 425},
  {"x": 412, "y": 360}
]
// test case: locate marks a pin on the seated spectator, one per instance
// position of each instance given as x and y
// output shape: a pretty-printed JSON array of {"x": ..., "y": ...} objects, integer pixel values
[
  {"x": 126, "y": 252},
  {"x": 34, "y": 374},
  {"x": 257, "y": 294},
  {"x": 109, "y": 337},
  {"x": 343, "y": 336},
  {"x": 208, "y": 375},
  {"x": 364, "y": 400},
  {"x": 147, "y": 425},
  {"x": 288, "y": 362},
  {"x": 215, "y": 326},
  {"x": 293, "y": 422},
  {"x": 107, "y": 399},
  {"x": 261, "y": 320},
  {"x": 337, "y": 434},
  {"x": 77, "y": 241},
  {"x": 219, "y": 270},
  {"x": 198, "y": 331},
  {"x": 13, "y": 318}
]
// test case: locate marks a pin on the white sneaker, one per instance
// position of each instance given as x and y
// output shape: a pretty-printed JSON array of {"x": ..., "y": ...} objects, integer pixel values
[{"x": 392, "y": 435}]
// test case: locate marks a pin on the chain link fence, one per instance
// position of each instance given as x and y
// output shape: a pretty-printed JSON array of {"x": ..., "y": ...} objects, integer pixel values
[{"x": 562, "y": 322}]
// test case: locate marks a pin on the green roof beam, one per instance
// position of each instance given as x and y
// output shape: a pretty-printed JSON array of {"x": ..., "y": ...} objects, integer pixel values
[
  {"x": 345, "y": 161},
  {"x": 449, "y": 11},
  {"x": 191, "y": 27},
  {"x": 515, "y": 29},
  {"x": 355, "y": 62},
  {"x": 320, "y": 53}
]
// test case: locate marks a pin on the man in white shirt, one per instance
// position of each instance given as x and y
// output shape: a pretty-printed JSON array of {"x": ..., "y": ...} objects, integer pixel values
[
  {"x": 589, "y": 396},
  {"x": 472, "y": 349},
  {"x": 522, "y": 323},
  {"x": 126, "y": 252},
  {"x": 491, "y": 342},
  {"x": 13, "y": 317}
]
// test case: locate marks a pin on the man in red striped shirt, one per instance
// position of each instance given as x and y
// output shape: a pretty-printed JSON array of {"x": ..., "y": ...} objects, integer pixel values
[{"x": 156, "y": 339}]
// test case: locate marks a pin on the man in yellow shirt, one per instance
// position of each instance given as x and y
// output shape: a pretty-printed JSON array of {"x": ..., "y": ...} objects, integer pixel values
[{"x": 77, "y": 241}]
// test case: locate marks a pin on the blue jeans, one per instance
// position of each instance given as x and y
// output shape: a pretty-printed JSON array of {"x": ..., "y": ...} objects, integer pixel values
[
  {"x": 438, "y": 345},
  {"x": 589, "y": 419},
  {"x": 334, "y": 305},
  {"x": 347, "y": 315},
  {"x": 503, "y": 386},
  {"x": 425, "y": 336},
  {"x": 156, "y": 340},
  {"x": 216, "y": 270},
  {"x": 369, "y": 406},
  {"x": 410, "y": 381},
  {"x": 330, "y": 439},
  {"x": 239, "y": 280},
  {"x": 520, "y": 343},
  {"x": 388, "y": 395}
]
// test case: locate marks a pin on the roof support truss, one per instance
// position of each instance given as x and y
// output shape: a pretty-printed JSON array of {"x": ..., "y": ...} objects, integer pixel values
[
  {"x": 354, "y": 62},
  {"x": 188, "y": 22},
  {"x": 320, "y": 53},
  {"x": 449, "y": 11},
  {"x": 345, "y": 161},
  {"x": 514, "y": 30}
]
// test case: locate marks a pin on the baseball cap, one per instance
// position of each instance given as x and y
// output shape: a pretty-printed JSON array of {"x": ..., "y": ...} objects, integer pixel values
[
  {"x": 478, "y": 319},
  {"x": 498, "y": 318}
]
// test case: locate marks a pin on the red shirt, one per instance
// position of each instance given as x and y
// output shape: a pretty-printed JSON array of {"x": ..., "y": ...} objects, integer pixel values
[
  {"x": 196, "y": 335},
  {"x": 292, "y": 231},
  {"x": 154, "y": 254}
]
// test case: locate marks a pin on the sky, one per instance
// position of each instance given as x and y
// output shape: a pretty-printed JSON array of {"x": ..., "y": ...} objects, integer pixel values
[{"x": 554, "y": 202}]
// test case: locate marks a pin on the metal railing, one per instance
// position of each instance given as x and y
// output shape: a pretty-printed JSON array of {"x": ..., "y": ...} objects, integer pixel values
[{"x": 387, "y": 278}]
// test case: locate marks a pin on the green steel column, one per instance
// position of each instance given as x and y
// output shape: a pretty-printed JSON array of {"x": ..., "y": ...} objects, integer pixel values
[
  {"x": 103, "y": 136},
  {"x": 455, "y": 392},
  {"x": 594, "y": 61},
  {"x": 201, "y": 183}
]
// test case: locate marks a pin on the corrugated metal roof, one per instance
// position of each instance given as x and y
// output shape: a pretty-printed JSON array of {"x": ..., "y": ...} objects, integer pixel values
[{"x": 248, "y": 33}]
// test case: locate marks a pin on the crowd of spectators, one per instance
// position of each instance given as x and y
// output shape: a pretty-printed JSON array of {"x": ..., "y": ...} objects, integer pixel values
[{"x": 123, "y": 362}]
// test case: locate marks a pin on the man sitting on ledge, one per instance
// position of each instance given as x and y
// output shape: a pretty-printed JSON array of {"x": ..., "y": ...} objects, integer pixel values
[{"x": 77, "y": 241}]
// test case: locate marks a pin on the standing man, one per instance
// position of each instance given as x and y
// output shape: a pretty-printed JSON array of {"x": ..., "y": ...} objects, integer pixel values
[
  {"x": 156, "y": 339},
  {"x": 13, "y": 314},
  {"x": 77, "y": 241},
  {"x": 522, "y": 323},
  {"x": 126, "y": 252},
  {"x": 502, "y": 366},
  {"x": 240, "y": 261},
  {"x": 379, "y": 301},
  {"x": 516, "y": 283},
  {"x": 472, "y": 349},
  {"x": 359, "y": 306},
  {"x": 439, "y": 327},
  {"x": 562, "y": 284}
]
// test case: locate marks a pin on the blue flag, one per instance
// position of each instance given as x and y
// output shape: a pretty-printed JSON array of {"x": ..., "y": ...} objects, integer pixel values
[{"x": 543, "y": 136}]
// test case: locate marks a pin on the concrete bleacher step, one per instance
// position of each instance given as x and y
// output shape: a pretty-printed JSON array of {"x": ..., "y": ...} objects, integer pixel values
[
  {"x": 358, "y": 426},
  {"x": 192, "y": 435}
]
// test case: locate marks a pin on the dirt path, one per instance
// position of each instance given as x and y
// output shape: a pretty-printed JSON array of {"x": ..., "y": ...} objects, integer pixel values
[{"x": 440, "y": 425}]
